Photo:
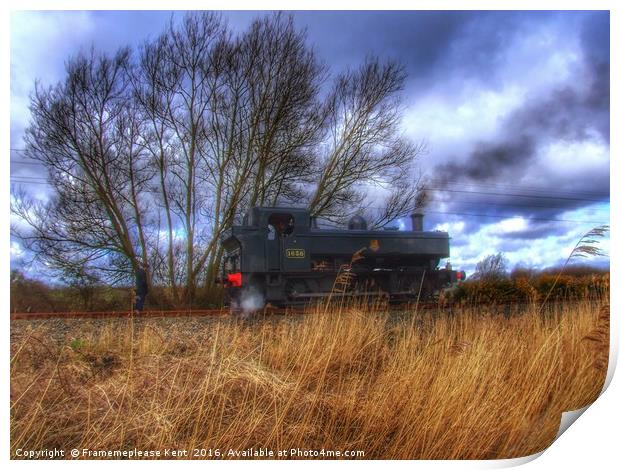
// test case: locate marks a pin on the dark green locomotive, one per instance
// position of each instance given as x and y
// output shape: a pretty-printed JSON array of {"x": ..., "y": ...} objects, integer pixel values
[{"x": 280, "y": 256}]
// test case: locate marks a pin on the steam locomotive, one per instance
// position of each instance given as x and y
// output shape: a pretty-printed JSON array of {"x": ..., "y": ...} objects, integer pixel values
[{"x": 280, "y": 256}]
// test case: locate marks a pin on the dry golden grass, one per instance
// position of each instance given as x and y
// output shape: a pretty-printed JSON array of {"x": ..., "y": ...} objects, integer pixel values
[{"x": 471, "y": 385}]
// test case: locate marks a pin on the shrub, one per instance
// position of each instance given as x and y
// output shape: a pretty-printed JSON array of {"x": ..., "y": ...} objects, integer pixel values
[{"x": 532, "y": 289}]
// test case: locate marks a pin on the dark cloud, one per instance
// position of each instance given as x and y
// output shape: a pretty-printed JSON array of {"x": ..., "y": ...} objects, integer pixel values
[
  {"x": 565, "y": 114},
  {"x": 480, "y": 46},
  {"x": 434, "y": 46},
  {"x": 458, "y": 241},
  {"x": 545, "y": 215},
  {"x": 489, "y": 160},
  {"x": 418, "y": 39},
  {"x": 595, "y": 46},
  {"x": 534, "y": 231}
]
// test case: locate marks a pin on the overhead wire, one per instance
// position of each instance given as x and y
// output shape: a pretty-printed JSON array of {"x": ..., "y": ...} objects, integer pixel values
[
  {"x": 533, "y": 196},
  {"x": 518, "y": 188},
  {"x": 27, "y": 179}
]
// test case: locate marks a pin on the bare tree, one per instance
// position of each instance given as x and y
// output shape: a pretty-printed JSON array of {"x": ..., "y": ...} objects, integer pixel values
[
  {"x": 268, "y": 106},
  {"x": 285, "y": 81},
  {"x": 365, "y": 146},
  {"x": 231, "y": 123},
  {"x": 84, "y": 134},
  {"x": 492, "y": 267},
  {"x": 153, "y": 81},
  {"x": 173, "y": 86}
]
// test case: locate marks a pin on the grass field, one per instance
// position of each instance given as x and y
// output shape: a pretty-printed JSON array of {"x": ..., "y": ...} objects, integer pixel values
[{"x": 471, "y": 384}]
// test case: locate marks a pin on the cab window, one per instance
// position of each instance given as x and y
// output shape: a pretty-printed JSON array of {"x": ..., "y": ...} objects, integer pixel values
[
  {"x": 282, "y": 224},
  {"x": 232, "y": 263}
]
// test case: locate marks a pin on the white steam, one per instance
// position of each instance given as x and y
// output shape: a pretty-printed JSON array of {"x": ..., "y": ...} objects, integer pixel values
[{"x": 252, "y": 300}]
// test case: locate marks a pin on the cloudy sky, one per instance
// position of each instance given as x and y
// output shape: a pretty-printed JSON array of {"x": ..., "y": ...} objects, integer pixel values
[{"x": 513, "y": 107}]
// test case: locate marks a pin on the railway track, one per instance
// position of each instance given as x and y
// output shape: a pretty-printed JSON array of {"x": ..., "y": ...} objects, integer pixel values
[
  {"x": 174, "y": 313},
  {"x": 143, "y": 314},
  {"x": 227, "y": 311}
]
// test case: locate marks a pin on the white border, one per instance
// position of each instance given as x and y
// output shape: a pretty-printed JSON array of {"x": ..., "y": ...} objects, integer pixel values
[{"x": 592, "y": 442}]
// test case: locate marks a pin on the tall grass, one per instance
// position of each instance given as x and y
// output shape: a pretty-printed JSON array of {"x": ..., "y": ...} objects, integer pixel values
[{"x": 466, "y": 384}]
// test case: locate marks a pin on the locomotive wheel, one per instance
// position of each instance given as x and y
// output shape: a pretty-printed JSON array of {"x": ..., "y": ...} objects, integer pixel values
[{"x": 293, "y": 288}]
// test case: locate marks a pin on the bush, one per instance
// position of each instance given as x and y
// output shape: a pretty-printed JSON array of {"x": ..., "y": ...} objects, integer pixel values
[
  {"x": 533, "y": 288},
  {"x": 30, "y": 295}
]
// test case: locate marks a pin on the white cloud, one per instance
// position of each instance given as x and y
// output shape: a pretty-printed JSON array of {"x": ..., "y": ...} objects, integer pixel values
[
  {"x": 447, "y": 119},
  {"x": 536, "y": 252},
  {"x": 41, "y": 41},
  {"x": 514, "y": 224},
  {"x": 17, "y": 252},
  {"x": 541, "y": 57},
  {"x": 575, "y": 158},
  {"x": 453, "y": 228}
]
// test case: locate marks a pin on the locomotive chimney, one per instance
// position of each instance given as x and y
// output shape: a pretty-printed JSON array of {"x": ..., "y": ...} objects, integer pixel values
[{"x": 417, "y": 222}]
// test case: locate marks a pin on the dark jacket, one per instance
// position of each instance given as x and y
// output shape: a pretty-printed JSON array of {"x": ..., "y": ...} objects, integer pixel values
[{"x": 142, "y": 287}]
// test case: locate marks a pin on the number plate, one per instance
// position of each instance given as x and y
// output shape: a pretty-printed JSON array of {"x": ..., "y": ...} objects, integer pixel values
[{"x": 295, "y": 253}]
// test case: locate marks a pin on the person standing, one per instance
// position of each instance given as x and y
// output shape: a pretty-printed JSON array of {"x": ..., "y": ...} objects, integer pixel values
[{"x": 142, "y": 289}]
